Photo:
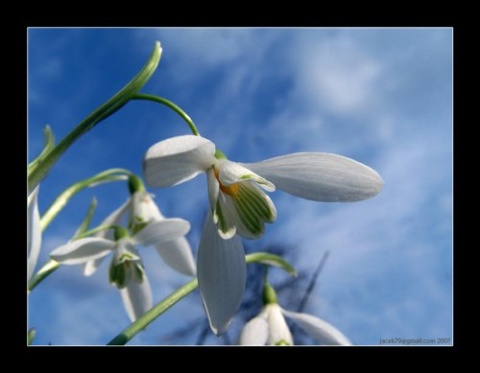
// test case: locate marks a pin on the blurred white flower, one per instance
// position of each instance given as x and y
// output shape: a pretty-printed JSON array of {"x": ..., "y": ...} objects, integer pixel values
[
  {"x": 270, "y": 327},
  {"x": 34, "y": 232},
  {"x": 141, "y": 210},
  {"x": 126, "y": 268}
]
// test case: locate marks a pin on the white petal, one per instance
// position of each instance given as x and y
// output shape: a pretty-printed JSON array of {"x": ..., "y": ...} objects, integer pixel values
[
  {"x": 125, "y": 250},
  {"x": 91, "y": 266},
  {"x": 144, "y": 208},
  {"x": 178, "y": 255},
  {"x": 137, "y": 298},
  {"x": 255, "y": 332},
  {"x": 319, "y": 329},
  {"x": 279, "y": 332},
  {"x": 34, "y": 232},
  {"x": 232, "y": 173},
  {"x": 225, "y": 217},
  {"x": 177, "y": 159},
  {"x": 213, "y": 189},
  {"x": 221, "y": 276},
  {"x": 82, "y": 250},
  {"x": 114, "y": 219},
  {"x": 162, "y": 231},
  {"x": 320, "y": 176}
]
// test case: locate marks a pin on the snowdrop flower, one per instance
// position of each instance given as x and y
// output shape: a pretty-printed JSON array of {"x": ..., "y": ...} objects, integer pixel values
[
  {"x": 236, "y": 191},
  {"x": 34, "y": 233},
  {"x": 141, "y": 210},
  {"x": 270, "y": 327},
  {"x": 126, "y": 268},
  {"x": 239, "y": 204}
]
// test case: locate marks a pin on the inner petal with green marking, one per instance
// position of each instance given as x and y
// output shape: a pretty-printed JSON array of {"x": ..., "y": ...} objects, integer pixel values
[{"x": 243, "y": 207}]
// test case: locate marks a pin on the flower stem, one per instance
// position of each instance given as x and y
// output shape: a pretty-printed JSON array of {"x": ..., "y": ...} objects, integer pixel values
[
  {"x": 43, "y": 272},
  {"x": 157, "y": 310},
  {"x": 153, "y": 313},
  {"x": 172, "y": 106},
  {"x": 41, "y": 169},
  {"x": 61, "y": 201}
]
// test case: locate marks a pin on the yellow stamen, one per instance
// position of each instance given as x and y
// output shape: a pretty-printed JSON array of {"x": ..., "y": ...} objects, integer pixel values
[{"x": 231, "y": 190}]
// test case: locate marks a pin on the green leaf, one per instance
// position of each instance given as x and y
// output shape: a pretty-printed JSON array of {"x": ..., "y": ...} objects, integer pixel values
[
  {"x": 49, "y": 144},
  {"x": 41, "y": 169},
  {"x": 271, "y": 259},
  {"x": 31, "y": 335},
  {"x": 114, "y": 174},
  {"x": 87, "y": 220}
]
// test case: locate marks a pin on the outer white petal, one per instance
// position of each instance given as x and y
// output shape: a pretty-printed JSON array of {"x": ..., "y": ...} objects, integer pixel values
[
  {"x": 137, "y": 298},
  {"x": 114, "y": 218},
  {"x": 178, "y": 255},
  {"x": 178, "y": 159},
  {"x": 213, "y": 189},
  {"x": 320, "y": 176},
  {"x": 82, "y": 250},
  {"x": 91, "y": 266},
  {"x": 144, "y": 208},
  {"x": 34, "y": 232},
  {"x": 232, "y": 173},
  {"x": 162, "y": 231},
  {"x": 319, "y": 329},
  {"x": 278, "y": 328},
  {"x": 255, "y": 332},
  {"x": 221, "y": 276}
]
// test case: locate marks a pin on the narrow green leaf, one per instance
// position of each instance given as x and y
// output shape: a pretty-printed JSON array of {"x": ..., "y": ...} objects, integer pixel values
[
  {"x": 38, "y": 173},
  {"x": 271, "y": 259},
  {"x": 87, "y": 220},
  {"x": 49, "y": 144},
  {"x": 114, "y": 174},
  {"x": 31, "y": 335}
]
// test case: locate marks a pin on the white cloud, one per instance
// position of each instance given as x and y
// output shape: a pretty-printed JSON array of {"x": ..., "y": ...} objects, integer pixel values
[{"x": 336, "y": 74}]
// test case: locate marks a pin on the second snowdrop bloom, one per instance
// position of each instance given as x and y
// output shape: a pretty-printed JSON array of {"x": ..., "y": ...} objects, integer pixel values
[
  {"x": 237, "y": 191},
  {"x": 141, "y": 210},
  {"x": 270, "y": 327},
  {"x": 126, "y": 268}
]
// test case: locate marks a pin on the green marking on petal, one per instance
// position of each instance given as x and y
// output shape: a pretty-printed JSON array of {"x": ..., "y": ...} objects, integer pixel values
[
  {"x": 253, "y": 207},
  {"x": 124, "y": 257},
  {"x": 249, "y": 215},
  {"x": 137, "y": 269},
  {"x": 118, "y": 274},
  {"x": 121, "y": 274},
  {"x": 282, "y": 342},
  {"x": 258, "y": 199},
  {"x": 221, "y": 220}
]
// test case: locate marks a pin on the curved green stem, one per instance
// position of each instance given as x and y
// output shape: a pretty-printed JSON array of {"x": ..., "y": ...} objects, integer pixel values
[
  {"x": 52, "y": 265},
  {"x": 114, "y": 174},
  {"x": 153, "y": 313},
  {"x": 37, "y": 173},
  {"x": 172, "y": 106},
  {"x": 148, "y": 317},
  {"x": 47, "y": 269}
]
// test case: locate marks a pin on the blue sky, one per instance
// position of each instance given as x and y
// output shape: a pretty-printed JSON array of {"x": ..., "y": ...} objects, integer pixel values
[{"x": 382, "y": 96}]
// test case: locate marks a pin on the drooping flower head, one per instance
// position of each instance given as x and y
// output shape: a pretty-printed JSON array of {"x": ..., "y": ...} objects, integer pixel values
[
  {"x": 139, "y": 211},
  {"x": 126, "y": 268},
  {"x": 236, "y": 192},
  {"x": 270, "y": 327},
  {"x": 239, "y": 204}
]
